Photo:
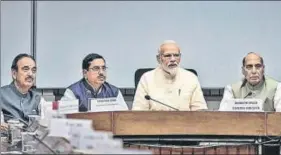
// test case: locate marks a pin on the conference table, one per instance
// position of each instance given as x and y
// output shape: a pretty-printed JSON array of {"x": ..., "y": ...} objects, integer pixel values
[{"x": 191, "y": 132}]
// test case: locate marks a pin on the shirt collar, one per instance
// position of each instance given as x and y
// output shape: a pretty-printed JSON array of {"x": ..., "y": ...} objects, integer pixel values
[
  {"x": 15, "y": 89},
  {"x": 255, "y": 87},
  {"x": 89, "y": 87}
]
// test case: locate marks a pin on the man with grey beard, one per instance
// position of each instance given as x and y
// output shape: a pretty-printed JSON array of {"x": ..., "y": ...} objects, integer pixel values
[
  {"x": 169, "y": 84},
  {"x": 19, "y": 99}
]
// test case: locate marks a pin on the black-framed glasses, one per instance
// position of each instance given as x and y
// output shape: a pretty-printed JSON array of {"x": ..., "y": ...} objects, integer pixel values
[{"x": 98, "y": 68}]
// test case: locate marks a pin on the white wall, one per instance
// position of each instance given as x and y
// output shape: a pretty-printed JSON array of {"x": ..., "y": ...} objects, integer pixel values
[
  {"x": 214, "y": 37},
  {"x": 15, "y": 34}
]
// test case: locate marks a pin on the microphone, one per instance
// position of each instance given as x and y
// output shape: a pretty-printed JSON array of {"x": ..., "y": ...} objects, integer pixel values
[
  {"x": 249, "y": 94},
  {"x": 147, "y": 97}
]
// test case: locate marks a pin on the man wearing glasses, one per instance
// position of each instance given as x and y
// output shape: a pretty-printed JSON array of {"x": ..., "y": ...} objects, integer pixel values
[
  {"x": 254, "y": 85},
  {"x": 93, "y": 84},
  {"x": 170, "y": 84}
]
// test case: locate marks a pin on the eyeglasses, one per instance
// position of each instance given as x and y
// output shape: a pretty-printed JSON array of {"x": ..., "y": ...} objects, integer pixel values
[
  {"x": 169, "y": 56},
  {"x": 98, "y": 68}
]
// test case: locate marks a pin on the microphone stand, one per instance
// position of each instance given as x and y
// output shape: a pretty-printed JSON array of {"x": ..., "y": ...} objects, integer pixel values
[
  {"x": 149, "y": 98},
  {"x": 164, "y": 104}
]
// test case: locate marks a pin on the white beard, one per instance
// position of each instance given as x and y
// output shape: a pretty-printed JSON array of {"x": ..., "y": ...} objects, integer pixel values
[{"x": 171, "y": 71}]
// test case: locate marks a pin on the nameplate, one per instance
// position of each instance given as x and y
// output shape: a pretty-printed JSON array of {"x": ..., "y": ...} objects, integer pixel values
[
  {"x": 65, "y": 127},
  {"x": 68, "y": 106},
  {"x": 63, "y": 106},
  {"x": 79, "y": 136},
  {"x": 89, "y": 142},
  {"x": 84, "y": 139},
  {"x": 106, "y": 104},
  {"x": 243, "y": 105}
]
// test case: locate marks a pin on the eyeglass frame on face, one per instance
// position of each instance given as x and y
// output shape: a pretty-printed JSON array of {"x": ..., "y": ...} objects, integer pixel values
[
  {"x": 169, "y": 55},
  {"x": 98, "y": 68},
  {"x": 250, "y": 67}
]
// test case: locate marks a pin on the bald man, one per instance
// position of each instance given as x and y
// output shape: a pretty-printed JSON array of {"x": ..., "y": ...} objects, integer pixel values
[
  {"x": 169, "y": 84},
  {"x": 254, "y": 85}
]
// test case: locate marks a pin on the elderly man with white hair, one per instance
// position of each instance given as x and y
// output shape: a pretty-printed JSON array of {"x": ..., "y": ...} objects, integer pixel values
[
  {"x": 254, "y": 85},
  {"x": 170, "y": 84}
]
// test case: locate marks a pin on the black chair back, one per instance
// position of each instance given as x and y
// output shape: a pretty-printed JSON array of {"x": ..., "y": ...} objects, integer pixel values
[{"x": 141, "y": 71}]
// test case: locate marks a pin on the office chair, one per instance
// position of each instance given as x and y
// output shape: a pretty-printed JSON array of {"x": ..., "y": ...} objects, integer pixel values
[{"x": 141, "y": 71}]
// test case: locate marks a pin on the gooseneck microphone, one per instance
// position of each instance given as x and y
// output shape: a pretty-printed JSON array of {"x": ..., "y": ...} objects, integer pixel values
[{"x": 149, "y": 98}]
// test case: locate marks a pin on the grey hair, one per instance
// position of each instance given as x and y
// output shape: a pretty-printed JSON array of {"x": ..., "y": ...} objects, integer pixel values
[
  {"x": 167, "y": 42},
  {"x": 244, "y": 59}
]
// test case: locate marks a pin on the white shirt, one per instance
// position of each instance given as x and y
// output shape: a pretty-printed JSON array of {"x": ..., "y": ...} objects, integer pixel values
[{"x": 183, "y": 92}]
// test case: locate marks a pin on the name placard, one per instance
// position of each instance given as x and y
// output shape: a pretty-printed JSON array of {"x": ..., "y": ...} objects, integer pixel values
[
  {"x": 65, "y": 127},
  {"x": 69, "y": 106},
  {"x": 243, "y": 105},
  {"x": 62, "y": 106},
  {"x": 106, "y": 104},
  {"x": 89, "y": 142}
]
